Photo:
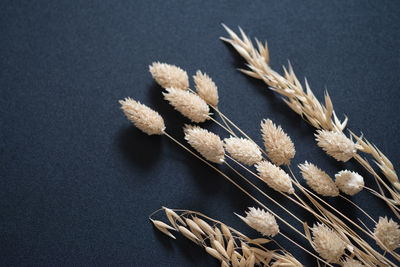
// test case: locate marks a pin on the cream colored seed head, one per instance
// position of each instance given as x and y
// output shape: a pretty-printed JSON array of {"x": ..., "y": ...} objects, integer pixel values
[
  {"x": 243, "y": 150},
  {"x": 349, "y": 182},
  {"x": 287, "y": 260},
  {"x": 143, "y": 117},
  {"x": 336, "y": 144},
  {"x": 351, "y": 263},
  {"x": 318, "y": 180},
  {"x": 188, "y": 104},
  {"x": 278, "y": 144},
  {"x": 388, "y": 232},
  {"x": 208, "y": 144},
  {"x": 274, "y": 177},
  {"x": 167, "y": 75},
  {"x": 206, "y": 88},
  {"x": 261, "y": 221},
  {"x": 327, "y": 243}
]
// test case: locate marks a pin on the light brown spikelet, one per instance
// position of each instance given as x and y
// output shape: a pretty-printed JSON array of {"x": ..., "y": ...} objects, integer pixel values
[
  {"x": 351, "y": 263},
  {"x": 188, "y": 104},
  {"x": 349, "y": 182},
  {"x": 206, "y": 88},
  {"x": 261, "y": 221},
  {"x": 243, "y": 150},
  {"x": 278, "y": 144},
  {"x": 327, "y": 243},
  {"x": 274, "y": 176},
  {"x": 167, "y": 75},
  {"x": 143, "y": 117},
  {"x": 208, "y": 144},
  {"x": 336, "y": 144},
  {"x": 287, "y": 261},
  {"x": 388, "y": 232},
  {"x": 318, "y": 180}
]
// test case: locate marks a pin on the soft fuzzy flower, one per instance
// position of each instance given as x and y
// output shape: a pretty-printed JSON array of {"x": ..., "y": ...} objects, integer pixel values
[
  {"x": 336, "y": 144},
  {"x": 274, "y": 177},
  {"x": 327, "y": 243},
  {"x": 167, "y": 75},
  {"x": 318, "y": 180},
  {"x": 388, "y": 232},
  {"x": 278, "y": 144},
  {"x": 143, "y": 117},
  {"x": 206, "y": 88},
  {"x": 243, "y": 150},
  {"x": 349, "y": 182},
  {"x": 261, "y": 221},
  {"x": 188, "y": 104},
  {"x": 208, "y": 144},
  {"x": 351, "y": 263}
]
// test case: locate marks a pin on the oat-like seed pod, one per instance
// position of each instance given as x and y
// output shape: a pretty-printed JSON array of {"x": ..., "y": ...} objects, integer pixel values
[
  {"x": 208, "y": 144},
  {"x": 188, "y": 104},
  {"x": 206, "y": 88},
  {"x": 388, "y": 232},
  {"x": 278, "y": 144},
  {"x": 351, "y": 263},
  {"x": 327, "y": 243},
  {"x": 143, "y": 117},
  {"x": 287, "y": 261},
  {"x": 318, "y": 180},
  {"x": 349, "y": 182},
  {"x": 336, "y": 144},
  {"x": 243, "y": 150},
  {"x": 274, "y": 177},
  {"x": 167, "y": 75},
  {"x": 261, "y": 221}
]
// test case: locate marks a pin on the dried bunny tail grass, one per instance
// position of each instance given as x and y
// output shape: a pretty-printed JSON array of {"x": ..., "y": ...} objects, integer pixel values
[
  {"x": 275, "y": 177},
  {"x": 388, "y": 233},
  {"x": 336, "y": 144},
  {"x": 351, "y": 263},
  {"x": 208, "y": 144},
  {"x": 188, "y": 104},
  {"x": 278, "y": 144},
  {"x": 287, "y": 260},
  {"x": 318, "y": 180},
  {"x": 206, "y": 88},
  {"x": 327, "y": 243},
  {"x": 349, "y": 182},
  {"x": 143, "y": 117},
  {"x": 243, "y": 150},
  {"x": 167, "y": 75},
  {"x": 261, "y": 221}
]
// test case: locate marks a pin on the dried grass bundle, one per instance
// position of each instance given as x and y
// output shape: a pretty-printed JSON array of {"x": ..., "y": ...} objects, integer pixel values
[
  {"x": 274, "y": 177},
  {"x": 243, "y": 150},
  {"x": 261, "y": 221},
  {"x": 387, "y": 232},
  {"x": 167, "y": 76},
  {"x": 351, "y": 263},
  {"x": 349, "y": 182},
  {"x": 336, "y": 144},
  {"x": 318, "y": 180},
  {"x": 327, "y": 243},
  {"x": 206, "y": 88}
]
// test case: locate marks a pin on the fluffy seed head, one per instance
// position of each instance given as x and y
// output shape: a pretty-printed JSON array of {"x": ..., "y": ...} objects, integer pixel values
[
  {"x": 261, "y": 221},
  {"x": 243, "y": 150},
  {"x": 318, "y": 180},
  {"x": 336, "y": 144},
  {"x": 327, "y": 243},
  {"x": 351, "y": 263},
  {"x": 208, "y": 144},
  {"x": 188, "y": 104},
  {"x": 143, "y": 117},
  {"x": 167, "y": 75},
  {"x": 349, "y": 182},
  {"x": 278, "y": 144},
  {"x": 388, "y": 232},
  {"x": 274, "y": 177},
  {"x": 206, "y": 88}
]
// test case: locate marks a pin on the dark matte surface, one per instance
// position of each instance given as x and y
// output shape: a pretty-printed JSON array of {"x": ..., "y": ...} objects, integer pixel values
[{"x": 78, "y": 181}]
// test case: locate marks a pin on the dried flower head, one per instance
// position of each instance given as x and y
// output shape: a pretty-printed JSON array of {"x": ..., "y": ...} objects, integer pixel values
[
  {"x": 318, "y": 180},
  {"x": 262, "y": 221},
  {"x": 336, "y": 144},
  {"x": 188, "y": 104},
  {"x": 143, "y": 117},
  {"x": 206, "y": 88},
  {"x": 388, "y": 232},
  {"x": 167, "y": 75},
  {"x": 243, "y": 150},
  {"x": 349, "y": 182},
  {"x": 208, "y": 144},
  {"x": 274, "y": 177},
  {"x": 278, "y": 144},
  {"x": 351, "y": 263},
  {"x": 327, "y": 243}
]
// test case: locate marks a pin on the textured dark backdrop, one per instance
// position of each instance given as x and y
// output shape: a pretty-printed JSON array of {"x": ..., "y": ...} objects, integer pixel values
[{"x": 78, "y": 181}]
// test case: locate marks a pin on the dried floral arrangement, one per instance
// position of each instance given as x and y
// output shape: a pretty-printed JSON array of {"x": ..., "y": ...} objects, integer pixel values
[{"x": 334, "y": 238}]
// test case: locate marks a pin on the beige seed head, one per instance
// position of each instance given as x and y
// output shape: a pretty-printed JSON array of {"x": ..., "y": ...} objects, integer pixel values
[
  {"x": 243, "y": 150},
  {"x": 278, "y": 144},
  {"x": 274, "y": 177},
  {"x": 336, "y": 144},
  {"x": 318, "y": 180},
  {"x": 143, "y": 117},
  {"x": 388, "y": 232},
  {"x": 188, "y": 104},
  {"x": 351, "y": 263},
  {"x": 349, "y": 182},
  {"x": 327, "y": 243},
  {"x": 167, "y": 75},
  {"x": 206, "y": 88},
  {"x": 208, "y": 144},
  {"x": 261, "y": 221},
  {"x": 287, "y": 260}
]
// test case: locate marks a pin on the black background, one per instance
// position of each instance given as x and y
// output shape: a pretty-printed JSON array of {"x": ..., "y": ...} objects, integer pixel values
[{"x": 78, "y": 181}]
